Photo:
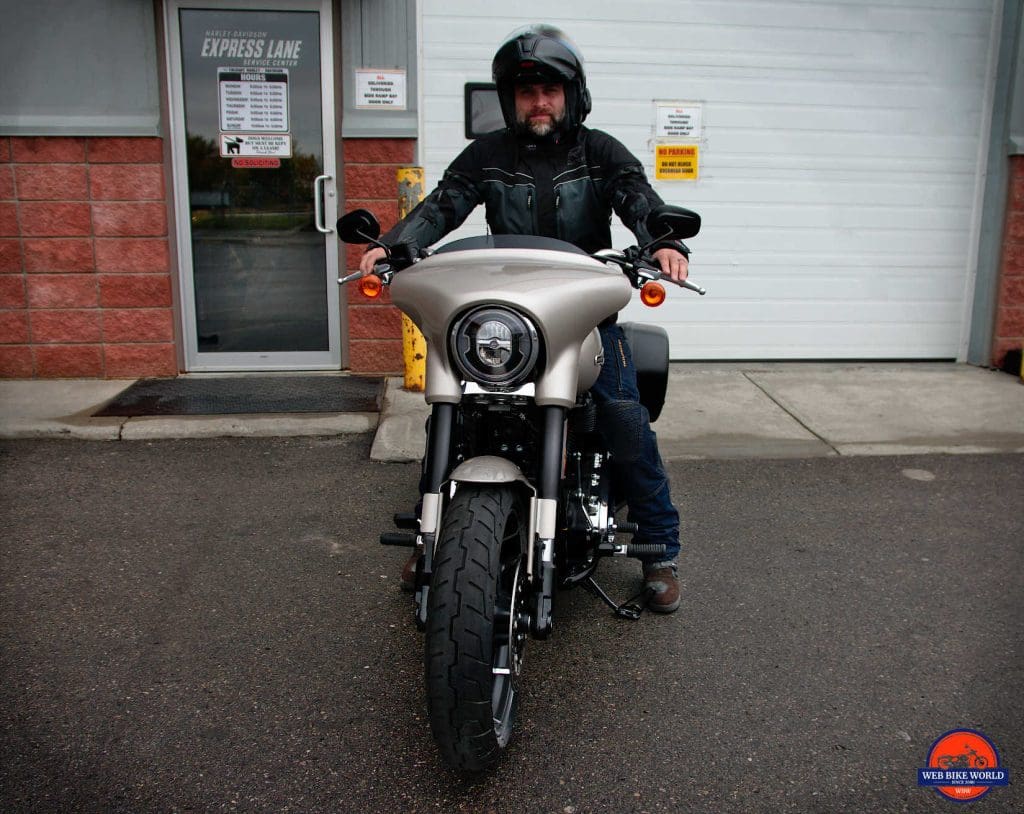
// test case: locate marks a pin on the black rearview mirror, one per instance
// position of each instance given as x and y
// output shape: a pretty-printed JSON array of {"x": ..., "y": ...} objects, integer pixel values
[
  {"x": 359, "y": 226},
  {"x": 669, "y": 222}
]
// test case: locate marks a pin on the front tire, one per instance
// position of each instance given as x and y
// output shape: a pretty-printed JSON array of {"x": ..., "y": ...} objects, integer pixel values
[{"x": 473, "y": 642}]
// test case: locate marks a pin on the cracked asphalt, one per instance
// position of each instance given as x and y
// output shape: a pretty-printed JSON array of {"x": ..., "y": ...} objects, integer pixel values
[{"x": 210, "y": 625}]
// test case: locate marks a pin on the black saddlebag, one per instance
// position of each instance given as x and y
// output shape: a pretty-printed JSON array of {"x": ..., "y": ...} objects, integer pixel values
[{"x": 649, "y": 345}]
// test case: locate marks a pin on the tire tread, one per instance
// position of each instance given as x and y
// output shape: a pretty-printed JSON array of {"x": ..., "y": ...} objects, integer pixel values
[{"x": 460, "y": 627}]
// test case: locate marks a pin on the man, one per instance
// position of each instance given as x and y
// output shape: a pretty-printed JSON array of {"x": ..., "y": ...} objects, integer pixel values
[{"x": 548, "y": 175}]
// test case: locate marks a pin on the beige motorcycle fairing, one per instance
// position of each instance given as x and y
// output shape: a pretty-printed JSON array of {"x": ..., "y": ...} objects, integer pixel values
[{"x": 565, "y": 295}]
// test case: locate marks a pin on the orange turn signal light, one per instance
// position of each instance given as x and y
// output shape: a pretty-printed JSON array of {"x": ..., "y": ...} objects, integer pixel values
[
  {"x": 652, "y": 294},
  {"x": 370, "y": 286}
]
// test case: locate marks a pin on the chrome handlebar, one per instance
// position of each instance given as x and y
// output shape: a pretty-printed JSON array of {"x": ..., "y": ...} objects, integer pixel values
[
  {"x": 639, "y": 269},
  {"x": 643, "y": 271}
]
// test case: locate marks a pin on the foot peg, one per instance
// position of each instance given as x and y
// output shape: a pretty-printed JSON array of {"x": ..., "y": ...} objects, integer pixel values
[
  {"x": 407, "y": 520},
  {"x": 645, "y": 549},
  {"x": 626, "y": 528},
  {"x": 398, "y": 538}
]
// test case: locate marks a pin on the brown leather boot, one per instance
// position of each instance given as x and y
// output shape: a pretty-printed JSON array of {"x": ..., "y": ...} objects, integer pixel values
[
  {"x": 665, "y": 583},
  {"x": 408, "y": 577}
]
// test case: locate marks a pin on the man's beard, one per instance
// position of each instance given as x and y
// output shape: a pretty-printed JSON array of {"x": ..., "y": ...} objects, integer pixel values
[{"x": 539, "y": 129}]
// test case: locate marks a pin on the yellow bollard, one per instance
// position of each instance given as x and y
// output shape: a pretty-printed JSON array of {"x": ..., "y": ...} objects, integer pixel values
[{"x": 414, "y": 346}]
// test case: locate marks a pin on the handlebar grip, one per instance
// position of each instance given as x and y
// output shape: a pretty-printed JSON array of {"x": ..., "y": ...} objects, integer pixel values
[{"x": 348, "y": 278}]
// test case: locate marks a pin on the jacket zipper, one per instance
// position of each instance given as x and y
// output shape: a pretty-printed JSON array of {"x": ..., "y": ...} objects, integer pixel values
[{"x": 558, "y": 221}]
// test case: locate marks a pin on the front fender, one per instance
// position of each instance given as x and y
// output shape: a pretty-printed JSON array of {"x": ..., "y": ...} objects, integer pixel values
[
  {"x": 489, "y": 469},
  {"x": 543, "y": 513}
]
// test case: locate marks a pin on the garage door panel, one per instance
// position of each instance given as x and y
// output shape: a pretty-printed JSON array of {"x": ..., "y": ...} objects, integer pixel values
[
  {"x": 855, "y": 190},
  {"x": 838, "y": 118},
  {"x": 756, "y": 164},
  {"x": 786, "y": 311},
  {"x": 763, "y": 241},
  {"x": 841, "y": 217},
  {"x": 844, "y": 341},
  {"x": 813, "y": 287},
  {"x": 799, "y": 91}
]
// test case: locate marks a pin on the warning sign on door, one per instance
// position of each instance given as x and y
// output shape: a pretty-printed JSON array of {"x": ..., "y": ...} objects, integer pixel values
[
  {"x": 255, "y": 163},
  {"x": 676, "y": 162},
  {"x": 255, "y": 144},
  {"x": 253, "y": 100}
]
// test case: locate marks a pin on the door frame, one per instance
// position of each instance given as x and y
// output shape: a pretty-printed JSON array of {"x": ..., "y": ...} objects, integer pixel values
[{"x": 331, "y": 359}]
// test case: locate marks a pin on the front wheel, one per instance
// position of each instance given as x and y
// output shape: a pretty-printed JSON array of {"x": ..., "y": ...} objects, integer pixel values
[{"x": 474, "y": 643}]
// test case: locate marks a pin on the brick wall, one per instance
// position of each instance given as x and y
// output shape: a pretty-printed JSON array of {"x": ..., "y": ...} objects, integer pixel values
[
  {"x": 85, "y": 287},
  {"x": 1009, "y": 322},
  {"x": 375, "y": 326}
]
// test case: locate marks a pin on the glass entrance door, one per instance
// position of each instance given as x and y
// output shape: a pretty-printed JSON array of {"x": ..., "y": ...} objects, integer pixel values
[{"x": 252, "y": 100}]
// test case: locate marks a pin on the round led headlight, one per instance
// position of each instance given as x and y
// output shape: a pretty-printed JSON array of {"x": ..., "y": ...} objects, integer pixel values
[{"x": 495, "y": 346}]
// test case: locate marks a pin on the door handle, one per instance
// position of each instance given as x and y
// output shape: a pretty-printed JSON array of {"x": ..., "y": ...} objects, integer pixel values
[{"x": 318, "y": 203}]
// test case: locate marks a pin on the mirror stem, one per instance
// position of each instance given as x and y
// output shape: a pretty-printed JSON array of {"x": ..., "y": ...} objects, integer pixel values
[
  {"x": 665, "y": 236},
  {"x": 373, "y": 241}
]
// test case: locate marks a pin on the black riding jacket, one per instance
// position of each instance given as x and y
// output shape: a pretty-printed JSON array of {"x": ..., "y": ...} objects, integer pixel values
[{"x": 567, "y": 190}]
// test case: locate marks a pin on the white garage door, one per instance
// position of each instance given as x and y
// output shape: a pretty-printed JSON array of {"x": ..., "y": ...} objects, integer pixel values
[{"x": 839, "y": 165}]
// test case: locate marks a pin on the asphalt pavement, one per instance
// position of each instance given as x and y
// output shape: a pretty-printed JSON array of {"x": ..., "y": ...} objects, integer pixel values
[{"x": 209, "y": 625}]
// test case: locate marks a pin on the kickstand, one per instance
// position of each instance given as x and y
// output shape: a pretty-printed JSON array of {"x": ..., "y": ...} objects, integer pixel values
[{"x": 630, "y": 609}]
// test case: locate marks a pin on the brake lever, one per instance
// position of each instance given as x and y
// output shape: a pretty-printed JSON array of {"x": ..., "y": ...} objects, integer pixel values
[
  {"x": 657, "y": 274},
  {"x": 382, "y": 270},
  {"x": 639, "y": 271},
  {"x": 690, "y": 286}
]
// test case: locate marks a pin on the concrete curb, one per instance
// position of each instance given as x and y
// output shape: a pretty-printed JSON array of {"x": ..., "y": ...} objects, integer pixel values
[
  {"x": 59, "y": 409},
  {"x": 797, "y": 410},
  {"x": 64, "y": 409},
  {"x": 728, "y": 410},
  {"x": 401, "y": 435},
  {"x": 247, "y": 426}
]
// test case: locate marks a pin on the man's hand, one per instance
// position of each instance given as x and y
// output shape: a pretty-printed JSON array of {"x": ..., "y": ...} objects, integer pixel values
[
  {"x": 673, "y": 263},
  {"x": 372, "y": 256}
]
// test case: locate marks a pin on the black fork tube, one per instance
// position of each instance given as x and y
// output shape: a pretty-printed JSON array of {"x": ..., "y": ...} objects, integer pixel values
[
  {"x": 439, "y": 447},
  {"x": 552, "y": 446},
  {"x": 439, "y": 441},
  {"x": 551, "y": 453}
]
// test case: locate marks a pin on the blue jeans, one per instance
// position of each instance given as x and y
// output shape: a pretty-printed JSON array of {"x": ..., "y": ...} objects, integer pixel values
[{"x": 637, "y": 467}]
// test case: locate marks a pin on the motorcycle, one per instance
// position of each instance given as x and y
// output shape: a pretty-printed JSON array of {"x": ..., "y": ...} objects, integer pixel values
[
  {"x": 518, "y": 498},
  {"x": 965, "y": 760}
]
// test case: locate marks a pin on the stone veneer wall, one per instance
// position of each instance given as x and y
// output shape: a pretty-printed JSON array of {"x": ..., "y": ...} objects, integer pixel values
[
  {"x": 1009, "y": 322},
  {"x": 375, "y": 326},
  {"x": 85, "y": 287}
]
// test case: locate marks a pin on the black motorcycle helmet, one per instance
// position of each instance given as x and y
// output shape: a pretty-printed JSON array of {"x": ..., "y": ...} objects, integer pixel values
[{"x": 541, "y": 53}]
